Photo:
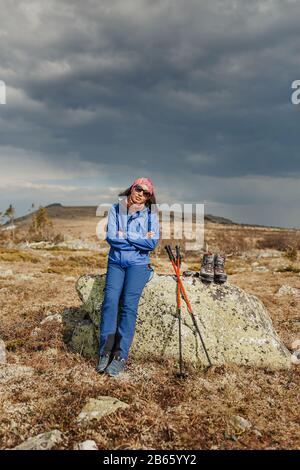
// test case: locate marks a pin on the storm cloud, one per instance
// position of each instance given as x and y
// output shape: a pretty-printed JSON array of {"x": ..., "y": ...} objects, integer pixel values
[{"x": 195, "y": 94}]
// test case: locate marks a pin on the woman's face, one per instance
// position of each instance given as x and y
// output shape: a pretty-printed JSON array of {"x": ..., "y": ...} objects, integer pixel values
[{"x": 139, "y": 197}]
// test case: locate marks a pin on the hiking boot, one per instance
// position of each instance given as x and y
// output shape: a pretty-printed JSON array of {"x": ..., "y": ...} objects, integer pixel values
[
  {"x": 116, "y": 366},
  {"x": 219, "y": 268},
  {"x": 207, "y": 267},
  {"x": 103, "y": 363}
]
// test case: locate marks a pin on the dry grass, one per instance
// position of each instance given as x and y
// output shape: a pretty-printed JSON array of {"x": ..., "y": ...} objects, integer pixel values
[
  {"x": 164, "y": 412},
  {"x": 279, "y": 241},
  {"x": 13, "y": 255},
  {"x": 288, "y": 269},
  {"x": 75, "y": 265}
]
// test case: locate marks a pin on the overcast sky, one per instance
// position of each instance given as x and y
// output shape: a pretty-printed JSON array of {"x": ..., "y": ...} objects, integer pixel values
[{"x": 195, "y": 94}]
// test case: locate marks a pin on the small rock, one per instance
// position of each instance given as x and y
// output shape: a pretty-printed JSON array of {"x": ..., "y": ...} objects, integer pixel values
[
  {"x": 25, "y": 277},
  {"x": 295, "y": 358},
  {"x": 269, "y": 254},
  {"x": 240, "y": 423},
  {"x": 96, "y": 408},
  {"x": 285, "y": 289},
  {"x": 2, "y": 352},
  {"x": 86, "y": 445},
  {"x": 6, "y": 273},
  {"x": 260, "y": 269},
  {"x": 10, "y": 372},
  {"x": 36, "y": 331},
  {"x": 51, "y": 352},
  {"x": 271, "y": 401},
  {"x": 53, "y": 317},
  {"x": 295, "y": 344},
  {"x": 44, "y": 441},
  {"x": 257, "y": 433}
]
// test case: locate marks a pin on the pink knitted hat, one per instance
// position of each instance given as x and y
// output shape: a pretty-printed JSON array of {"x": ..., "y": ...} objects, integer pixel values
[{"x": 144, "y": 181}]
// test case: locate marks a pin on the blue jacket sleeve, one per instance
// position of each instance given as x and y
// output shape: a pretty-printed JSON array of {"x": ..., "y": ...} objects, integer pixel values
[
  {"x": 111, "y": 234},
  {"x": 144, "y": 243}
]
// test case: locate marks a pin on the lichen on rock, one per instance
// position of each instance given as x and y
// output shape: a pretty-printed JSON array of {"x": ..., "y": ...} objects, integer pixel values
[{"x": 235, "y": 325}]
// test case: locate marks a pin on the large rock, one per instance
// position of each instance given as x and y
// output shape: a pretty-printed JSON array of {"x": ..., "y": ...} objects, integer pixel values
[
  {"x": 234, "y": 324},
  {"x": 84, "y": 338}
]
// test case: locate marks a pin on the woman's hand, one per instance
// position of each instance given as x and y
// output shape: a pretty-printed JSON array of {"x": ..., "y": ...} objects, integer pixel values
[{"x": 150, "y": 234}]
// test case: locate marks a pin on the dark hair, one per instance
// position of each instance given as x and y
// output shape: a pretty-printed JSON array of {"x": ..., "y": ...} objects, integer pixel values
[{"x": 150, "y": 202}]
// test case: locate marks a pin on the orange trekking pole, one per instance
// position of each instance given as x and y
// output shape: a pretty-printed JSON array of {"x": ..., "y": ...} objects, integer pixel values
[
  {"x": 181, "y": 374},
  {"x": 189, "y": 307}
]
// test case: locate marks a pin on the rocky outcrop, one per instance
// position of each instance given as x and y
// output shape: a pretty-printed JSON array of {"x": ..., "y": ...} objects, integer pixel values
[{"x": 235, "y": 325}]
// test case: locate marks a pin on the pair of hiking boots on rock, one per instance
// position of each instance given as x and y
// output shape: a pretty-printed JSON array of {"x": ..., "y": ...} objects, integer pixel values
[
  {"x": 110, "y": 366},
  {"x": 213, "y": 268}
]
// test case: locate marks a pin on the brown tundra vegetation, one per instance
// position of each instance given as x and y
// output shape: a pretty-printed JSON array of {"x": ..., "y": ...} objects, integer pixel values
[{"x": 44, "y": 385}]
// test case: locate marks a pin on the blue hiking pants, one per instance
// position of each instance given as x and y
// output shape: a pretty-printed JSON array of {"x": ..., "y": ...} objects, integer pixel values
[{"x": 122, "y": 292}]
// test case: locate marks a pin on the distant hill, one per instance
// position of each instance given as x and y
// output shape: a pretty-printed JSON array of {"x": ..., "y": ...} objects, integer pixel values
[
  {"x": 58, "y": 211},
  {"x": 69, "y": 213},
  {"x": 81, "y": 222},
  {"x": 218, "y": 220}
]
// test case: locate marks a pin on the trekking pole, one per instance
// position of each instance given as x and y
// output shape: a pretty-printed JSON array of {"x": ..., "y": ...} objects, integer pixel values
[
  {"x": 172, "y": 259},
  {"x": 181, "y": 374}
]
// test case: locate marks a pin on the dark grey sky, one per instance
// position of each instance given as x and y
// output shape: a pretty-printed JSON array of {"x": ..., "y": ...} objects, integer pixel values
[{"x": 195, "y": 94}]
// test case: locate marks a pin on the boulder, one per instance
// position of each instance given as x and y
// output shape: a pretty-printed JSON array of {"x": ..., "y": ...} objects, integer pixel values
[
  {"x": 84, "y": 338},
  {"x": 235, "y": 325},
  {"x": 71, "y": 318}
]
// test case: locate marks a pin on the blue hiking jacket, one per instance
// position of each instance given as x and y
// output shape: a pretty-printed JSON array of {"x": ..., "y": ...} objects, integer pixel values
[{"x": 134, "y": 247}]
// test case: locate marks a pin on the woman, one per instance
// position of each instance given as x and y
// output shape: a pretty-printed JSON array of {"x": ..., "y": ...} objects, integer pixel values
[{"x": 132, "y": 232}]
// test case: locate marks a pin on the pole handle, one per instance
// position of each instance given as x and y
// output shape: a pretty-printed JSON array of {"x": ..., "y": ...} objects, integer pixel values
[
  {"x": 178, "y": 255},
  {"x": 170, "y": 254}
]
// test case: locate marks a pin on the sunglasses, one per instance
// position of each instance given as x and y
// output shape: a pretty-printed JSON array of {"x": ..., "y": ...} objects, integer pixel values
[{"x": 139, "y": 189}]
